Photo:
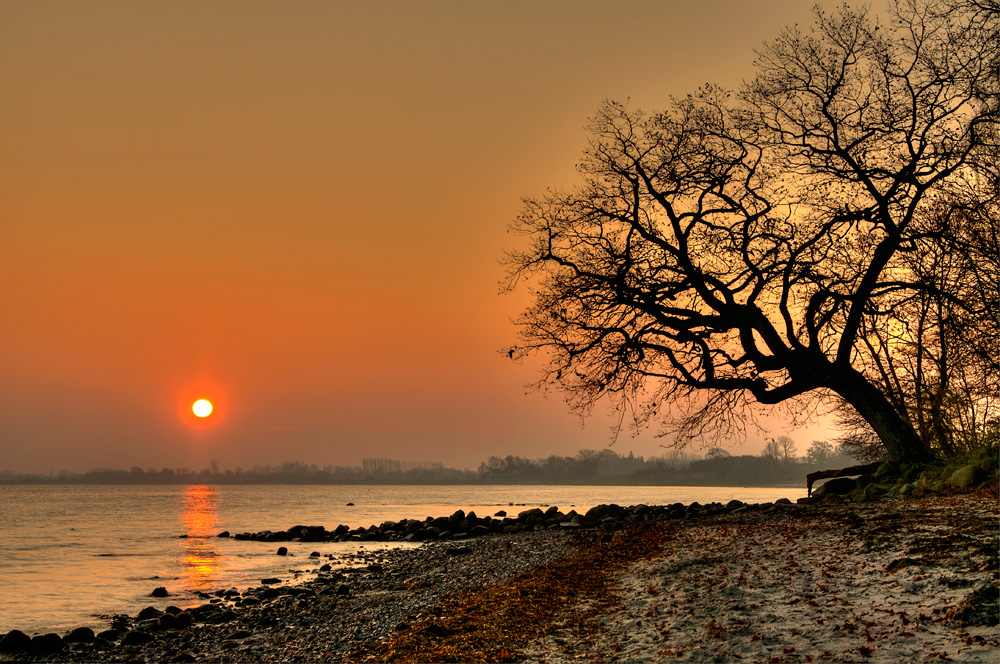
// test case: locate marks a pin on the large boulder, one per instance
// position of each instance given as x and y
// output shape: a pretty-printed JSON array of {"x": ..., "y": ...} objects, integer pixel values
[
  {"x": 14, "y": 641},
  {"x": 167, "y": 621},
  {"x": 528, "y": 514},
  {"x": 967, "y": 477},
  {"x": 600, "y": 512},
  {"x": 149, "y": 613},
  {"x": 80, "y": 635},
  {"x": 45, "y": 644},
  {"x": 306, "y": 533},
  {"x": 838, "y": 486}
]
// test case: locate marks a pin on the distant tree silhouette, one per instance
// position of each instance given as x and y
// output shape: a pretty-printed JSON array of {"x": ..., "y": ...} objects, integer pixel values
[
  {"x": 781, "y": 449},
  {"x": 820, "y": 452},
  {"x": 767, "y": 246}
]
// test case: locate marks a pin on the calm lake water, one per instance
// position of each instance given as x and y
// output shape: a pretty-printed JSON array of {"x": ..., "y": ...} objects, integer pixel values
[{"x": 72, "y": 554}]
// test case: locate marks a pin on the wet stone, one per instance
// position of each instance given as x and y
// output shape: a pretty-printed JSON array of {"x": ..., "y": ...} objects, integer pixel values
[
  {"x": 149, "y": 612},
  {"x": 167, "y": 621},
  {"x": 14, "y": 641},
  {"x": 45, "y": 644},
  {"x": 80, "y": 635}
]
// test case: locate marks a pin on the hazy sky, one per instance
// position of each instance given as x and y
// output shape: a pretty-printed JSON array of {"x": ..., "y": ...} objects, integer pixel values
[{"x": 296, "y": 209}]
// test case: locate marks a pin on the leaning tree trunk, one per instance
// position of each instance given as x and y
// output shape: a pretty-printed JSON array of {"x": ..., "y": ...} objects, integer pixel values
[{"x": 897, "y": 435}]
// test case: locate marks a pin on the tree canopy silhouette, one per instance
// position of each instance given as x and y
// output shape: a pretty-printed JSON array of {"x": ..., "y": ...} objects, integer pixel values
[{"x": 774, "y": 244}]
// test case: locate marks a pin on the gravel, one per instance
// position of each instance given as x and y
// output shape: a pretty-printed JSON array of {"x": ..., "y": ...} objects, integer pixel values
[{"x": 325, "y": 618}]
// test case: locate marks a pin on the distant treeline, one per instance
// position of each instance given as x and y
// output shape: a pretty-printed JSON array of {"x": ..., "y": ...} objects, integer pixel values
[
  {"x": 777, "y": 466},
  {"x": 374, "y": 471}
]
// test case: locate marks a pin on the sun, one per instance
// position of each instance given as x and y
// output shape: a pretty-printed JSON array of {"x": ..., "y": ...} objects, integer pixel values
[{"x": 202, "y": 408}]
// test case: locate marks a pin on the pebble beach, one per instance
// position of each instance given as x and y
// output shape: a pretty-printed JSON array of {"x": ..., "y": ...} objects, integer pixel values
[{"x": 825, "y": 580}]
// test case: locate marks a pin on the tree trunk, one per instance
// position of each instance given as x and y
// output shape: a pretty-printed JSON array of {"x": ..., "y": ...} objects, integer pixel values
[{"x": 897, "y": 435}]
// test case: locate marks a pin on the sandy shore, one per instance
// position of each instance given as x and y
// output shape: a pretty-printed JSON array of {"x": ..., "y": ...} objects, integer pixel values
[
  {"x": 849, "y": 583},
  {"x": 892, "y": 581}
]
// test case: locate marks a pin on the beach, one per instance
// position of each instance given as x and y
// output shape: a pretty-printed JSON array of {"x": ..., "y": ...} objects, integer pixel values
[{"x": 886, "y": 581}]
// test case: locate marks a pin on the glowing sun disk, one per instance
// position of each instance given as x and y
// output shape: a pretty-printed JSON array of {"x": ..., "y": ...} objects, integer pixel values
[{"x": 202, "y": 408}]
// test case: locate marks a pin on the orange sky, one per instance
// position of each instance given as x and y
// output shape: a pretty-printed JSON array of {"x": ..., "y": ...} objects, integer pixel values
[{"x": 296, "y": 209}]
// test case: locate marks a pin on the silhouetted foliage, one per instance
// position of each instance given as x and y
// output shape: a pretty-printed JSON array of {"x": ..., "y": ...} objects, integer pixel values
[
  {"x": 587, "y": 466},
  {"x": 719, "y": 468},
  {"x": 821, "y": 237}
]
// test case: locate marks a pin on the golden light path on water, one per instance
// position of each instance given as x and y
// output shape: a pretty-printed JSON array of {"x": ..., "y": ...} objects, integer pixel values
[{"x": 199, "y": 557}]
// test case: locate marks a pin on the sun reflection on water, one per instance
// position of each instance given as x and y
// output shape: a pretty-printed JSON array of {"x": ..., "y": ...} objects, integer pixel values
[{"x": 200, "y": 561}]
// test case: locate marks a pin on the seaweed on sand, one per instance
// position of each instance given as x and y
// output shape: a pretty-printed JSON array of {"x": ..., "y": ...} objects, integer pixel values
[{"x": 493, "y": 623}]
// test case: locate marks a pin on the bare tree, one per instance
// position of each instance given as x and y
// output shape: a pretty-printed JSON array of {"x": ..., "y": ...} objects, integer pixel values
[
  {"x": 781, "y": 449},
  {"x": 745, "y": 248},
  {"x": 786, "y": 447}
]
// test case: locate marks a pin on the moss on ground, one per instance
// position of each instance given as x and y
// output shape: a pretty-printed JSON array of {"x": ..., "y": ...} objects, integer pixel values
[{"x": 978, "y": 471}]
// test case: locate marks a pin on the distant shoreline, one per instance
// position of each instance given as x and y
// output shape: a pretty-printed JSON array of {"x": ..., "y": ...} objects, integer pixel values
[
  {"x": 54, "y": 482},
  {"x": 586, "y": 468}
]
